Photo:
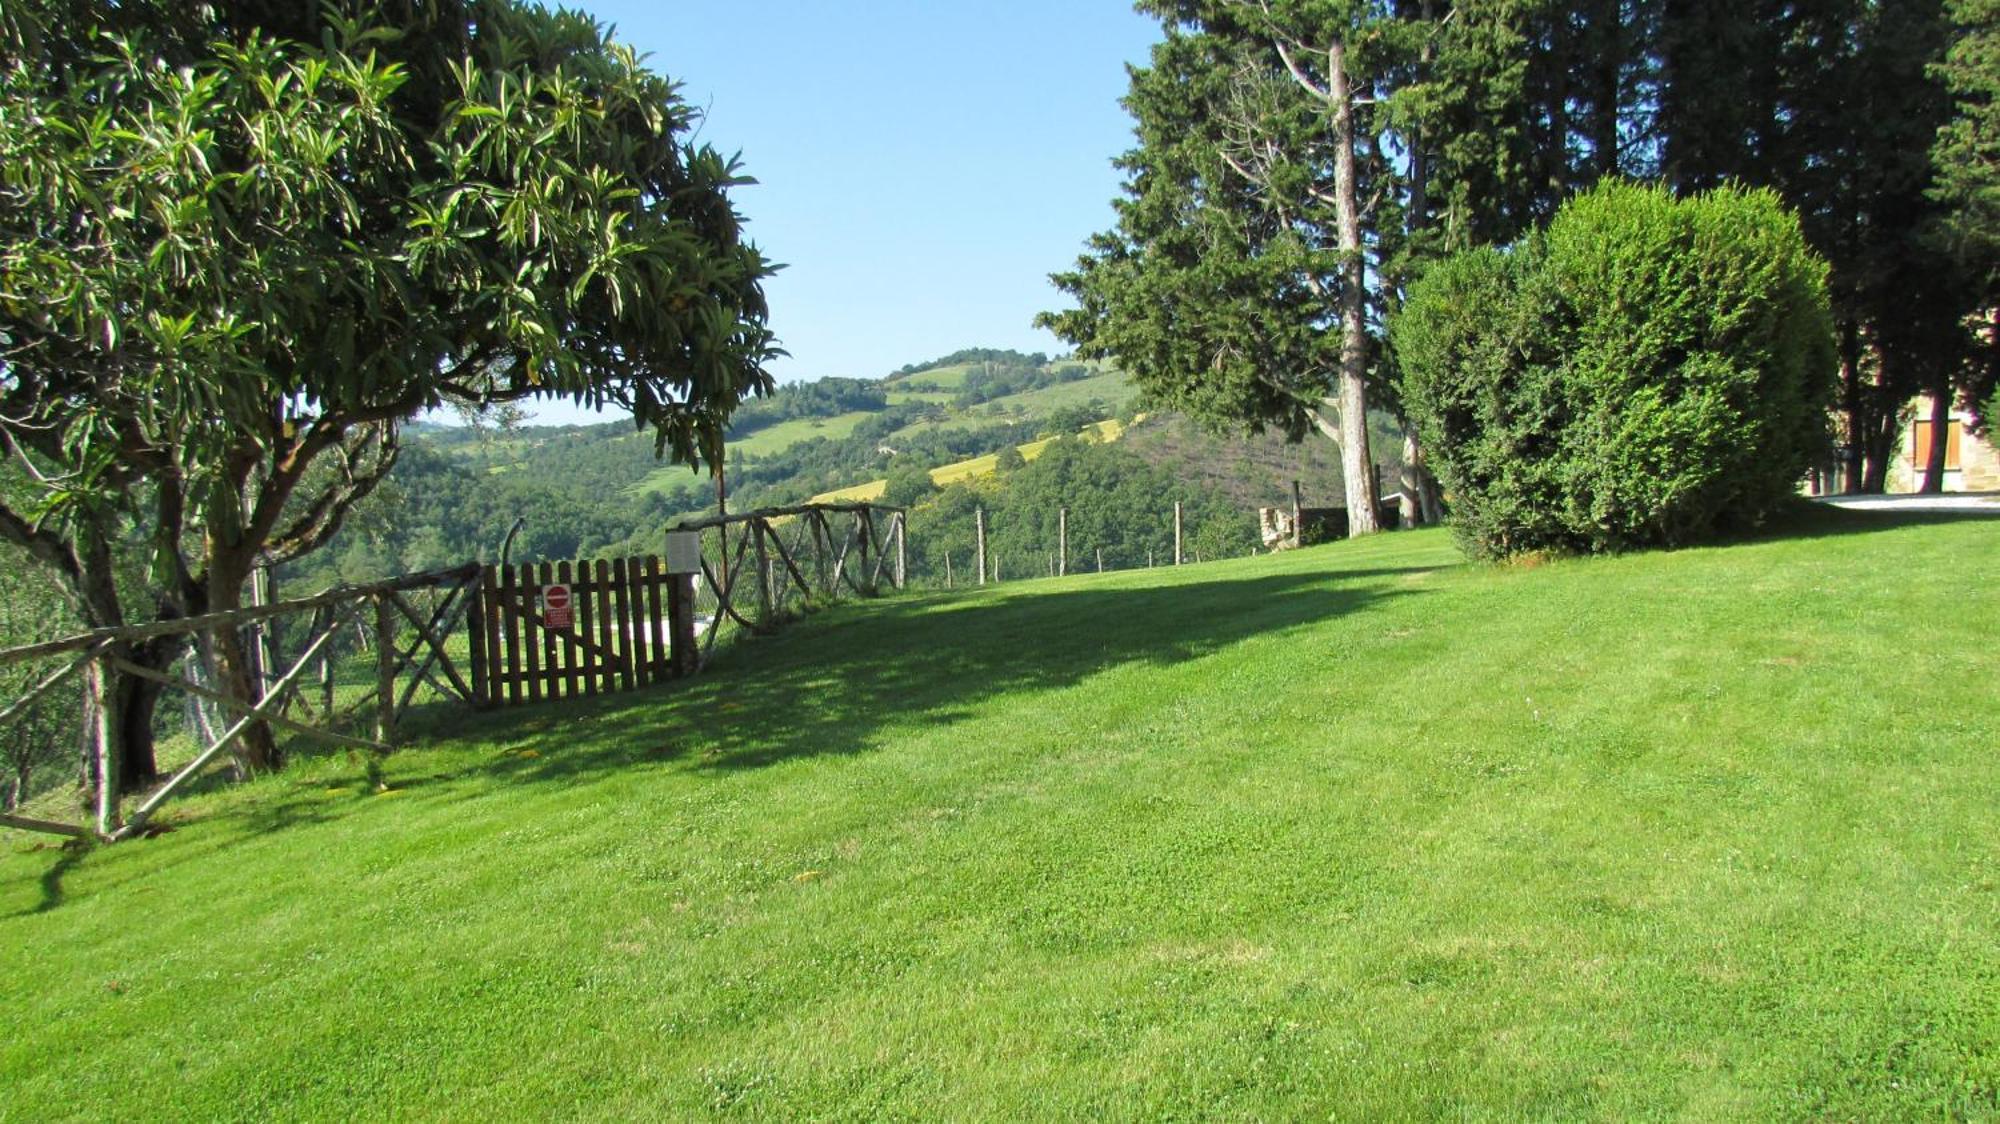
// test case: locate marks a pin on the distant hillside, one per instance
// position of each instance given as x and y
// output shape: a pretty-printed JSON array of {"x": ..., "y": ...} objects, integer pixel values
[{"x": 596, "y": 490}]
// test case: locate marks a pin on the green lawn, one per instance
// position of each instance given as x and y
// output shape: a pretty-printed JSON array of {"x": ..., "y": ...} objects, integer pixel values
[{"x": 1356, "y": 831}]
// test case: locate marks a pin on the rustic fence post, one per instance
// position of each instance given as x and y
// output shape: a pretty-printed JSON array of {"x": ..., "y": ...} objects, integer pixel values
[
  {"x": 1062, "y": 541},
  {"x": 681, "y": 651},
  {"x": 756, "y": 528},
  {"x": 385, "y": 670},
  {"x": 1177, "y": 532},
  {"x": 1100, "y": 559},
  {"x": 103, "y": 748},
  {"x": 865, "y": 522},
  {"x": 902, "y": 531},
  {"x": 979, "y": 537},
  {"x": 322, "y": 619},
  {"x": 1298, "y": 528},
  {"x": 947, "y": 569}
]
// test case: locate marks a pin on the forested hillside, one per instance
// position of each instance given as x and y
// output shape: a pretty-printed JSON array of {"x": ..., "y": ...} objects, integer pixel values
[{"x": 598, "y": 490}]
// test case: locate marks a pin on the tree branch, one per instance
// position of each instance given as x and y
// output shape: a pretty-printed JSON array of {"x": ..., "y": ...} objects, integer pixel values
[
  {"x": 323, "y": 517},
  {"x": 41, "y": 543}
]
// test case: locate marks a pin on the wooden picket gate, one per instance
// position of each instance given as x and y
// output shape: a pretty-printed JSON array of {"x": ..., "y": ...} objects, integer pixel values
[{"x": 629, "y": 624}]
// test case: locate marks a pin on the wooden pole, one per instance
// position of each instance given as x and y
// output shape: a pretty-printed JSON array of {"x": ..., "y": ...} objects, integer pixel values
[
  {"x": 1149, "y": 558},
  {"x": 1062, "y": 541},
  {"x": 260, "y": 643},
  {"x": 681, "y": 649},
  {"x": 979, "y": 540},
  {"x": 256, "y": 714},
  {"x": 29, "y": 823},
  {"x": 763, "y": 574},
  {"x": 1100, "y": 559},
  {"x": 1298, "y": 529},
  {"x": 947, "y": 569},
  {"x": 385, "y": 670},
  {"x": 1177, "y": 532},
  {"x": 902, "y": 525},
  {"x": 101, "y": 743},
  {"x": 864, "y": 526}
]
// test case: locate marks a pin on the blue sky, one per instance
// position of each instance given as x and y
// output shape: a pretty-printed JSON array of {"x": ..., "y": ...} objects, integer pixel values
[{"x": 922, "y": 167}]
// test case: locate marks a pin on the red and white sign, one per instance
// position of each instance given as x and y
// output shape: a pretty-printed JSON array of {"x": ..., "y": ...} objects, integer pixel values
[{"x": 555, "y": 606}]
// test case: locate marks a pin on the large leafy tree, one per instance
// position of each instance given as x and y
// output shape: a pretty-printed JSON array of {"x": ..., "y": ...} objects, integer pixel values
[{"x": 242, "y": 242}]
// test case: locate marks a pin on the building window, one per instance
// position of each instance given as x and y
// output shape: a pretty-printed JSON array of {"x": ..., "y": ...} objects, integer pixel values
[{"x": 1920, "y": 445}]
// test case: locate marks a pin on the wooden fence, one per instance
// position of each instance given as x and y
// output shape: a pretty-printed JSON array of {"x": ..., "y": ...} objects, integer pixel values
[
  {"x": 557, "y": 631},
  {"x": 533, "y": 632},
  {"x": 283, "y": 701},
  {"x": 761, "y": 567}
]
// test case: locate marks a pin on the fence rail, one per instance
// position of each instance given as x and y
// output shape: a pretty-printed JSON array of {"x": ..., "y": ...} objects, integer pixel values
[
  {"x": 621, "y": 624},
  {"x": 99, "y": 652},
  {"x": 761, "y": 567}
]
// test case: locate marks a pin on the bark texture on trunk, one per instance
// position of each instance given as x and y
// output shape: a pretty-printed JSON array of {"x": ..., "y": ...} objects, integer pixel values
[
  {"x": 1421, "y": 507},
  {"x": 1934, "y": 464},
  {"x": 1357, "y": 467},
  {"x": 1851, "y": 405},
  {"x": 256, "y": 750}
]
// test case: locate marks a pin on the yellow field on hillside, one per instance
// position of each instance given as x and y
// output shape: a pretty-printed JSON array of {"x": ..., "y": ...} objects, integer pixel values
[{"x": 1110, "y": 429}]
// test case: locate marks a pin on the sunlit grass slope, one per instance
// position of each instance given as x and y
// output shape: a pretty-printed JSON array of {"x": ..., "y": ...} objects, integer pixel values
[
  {"x": 1356, "y": 831},
  {"x": 1110, "y": 429}
]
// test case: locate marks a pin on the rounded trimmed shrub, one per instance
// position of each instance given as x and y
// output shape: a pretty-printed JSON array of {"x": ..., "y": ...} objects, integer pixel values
[{"x": 1646, "y": 371}]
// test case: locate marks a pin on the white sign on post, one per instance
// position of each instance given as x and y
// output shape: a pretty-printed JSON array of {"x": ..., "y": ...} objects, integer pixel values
[
  {"x": 555, "y": 606},
  {"x": 683, "y": 552}
]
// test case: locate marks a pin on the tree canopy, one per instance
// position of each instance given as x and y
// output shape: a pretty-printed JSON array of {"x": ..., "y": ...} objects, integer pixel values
[{"x": 244, "y": 241}]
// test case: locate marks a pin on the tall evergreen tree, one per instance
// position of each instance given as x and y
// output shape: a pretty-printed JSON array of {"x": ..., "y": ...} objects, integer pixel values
[
  {"x": 1967, "y": 158},
  {"x": 1243, "y": 281}
]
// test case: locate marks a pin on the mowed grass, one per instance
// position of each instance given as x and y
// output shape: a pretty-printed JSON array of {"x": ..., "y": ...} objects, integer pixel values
[{"x": 1355, "y": 831}]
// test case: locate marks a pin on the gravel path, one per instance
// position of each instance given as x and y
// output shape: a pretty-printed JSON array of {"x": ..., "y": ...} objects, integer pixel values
[{"x": 1983, "y": 503}]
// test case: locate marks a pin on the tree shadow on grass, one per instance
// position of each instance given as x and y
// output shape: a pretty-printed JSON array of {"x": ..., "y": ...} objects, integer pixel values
[
  {"x": 1809, "y": 519},
  {"x": 833, "y": 684}
]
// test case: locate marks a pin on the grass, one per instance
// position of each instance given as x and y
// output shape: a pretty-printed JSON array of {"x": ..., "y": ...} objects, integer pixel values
[
  {"x": 764, "y": 442},
  {"x": 1113, "y": 388},
  {"x": 1357, "y": 831},
  {"x": 1110, "y": 429}
]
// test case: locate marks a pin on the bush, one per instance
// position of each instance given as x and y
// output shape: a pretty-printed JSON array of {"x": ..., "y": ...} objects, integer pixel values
[{"x": 1645, "y": 372}]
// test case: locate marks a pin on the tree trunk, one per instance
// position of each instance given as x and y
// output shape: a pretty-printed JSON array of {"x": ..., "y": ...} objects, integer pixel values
[
  {"x": 1357, "y": 467},
  {"x": 1607, "y": 58},
  {"x": 1880, "y": 418},
  {"x": 1851, "y": 399},
  {"x": 1420, "y": 504},
  {"x": 133, "y": 702},
  {"x": 1934, "y": 465},
  {"x": 256, "y": 750},
  {"x": 129, "y": 700}
]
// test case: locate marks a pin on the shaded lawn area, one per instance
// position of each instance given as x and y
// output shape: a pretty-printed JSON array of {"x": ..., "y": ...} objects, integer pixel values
[{"x": 1356, "y": 830}]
